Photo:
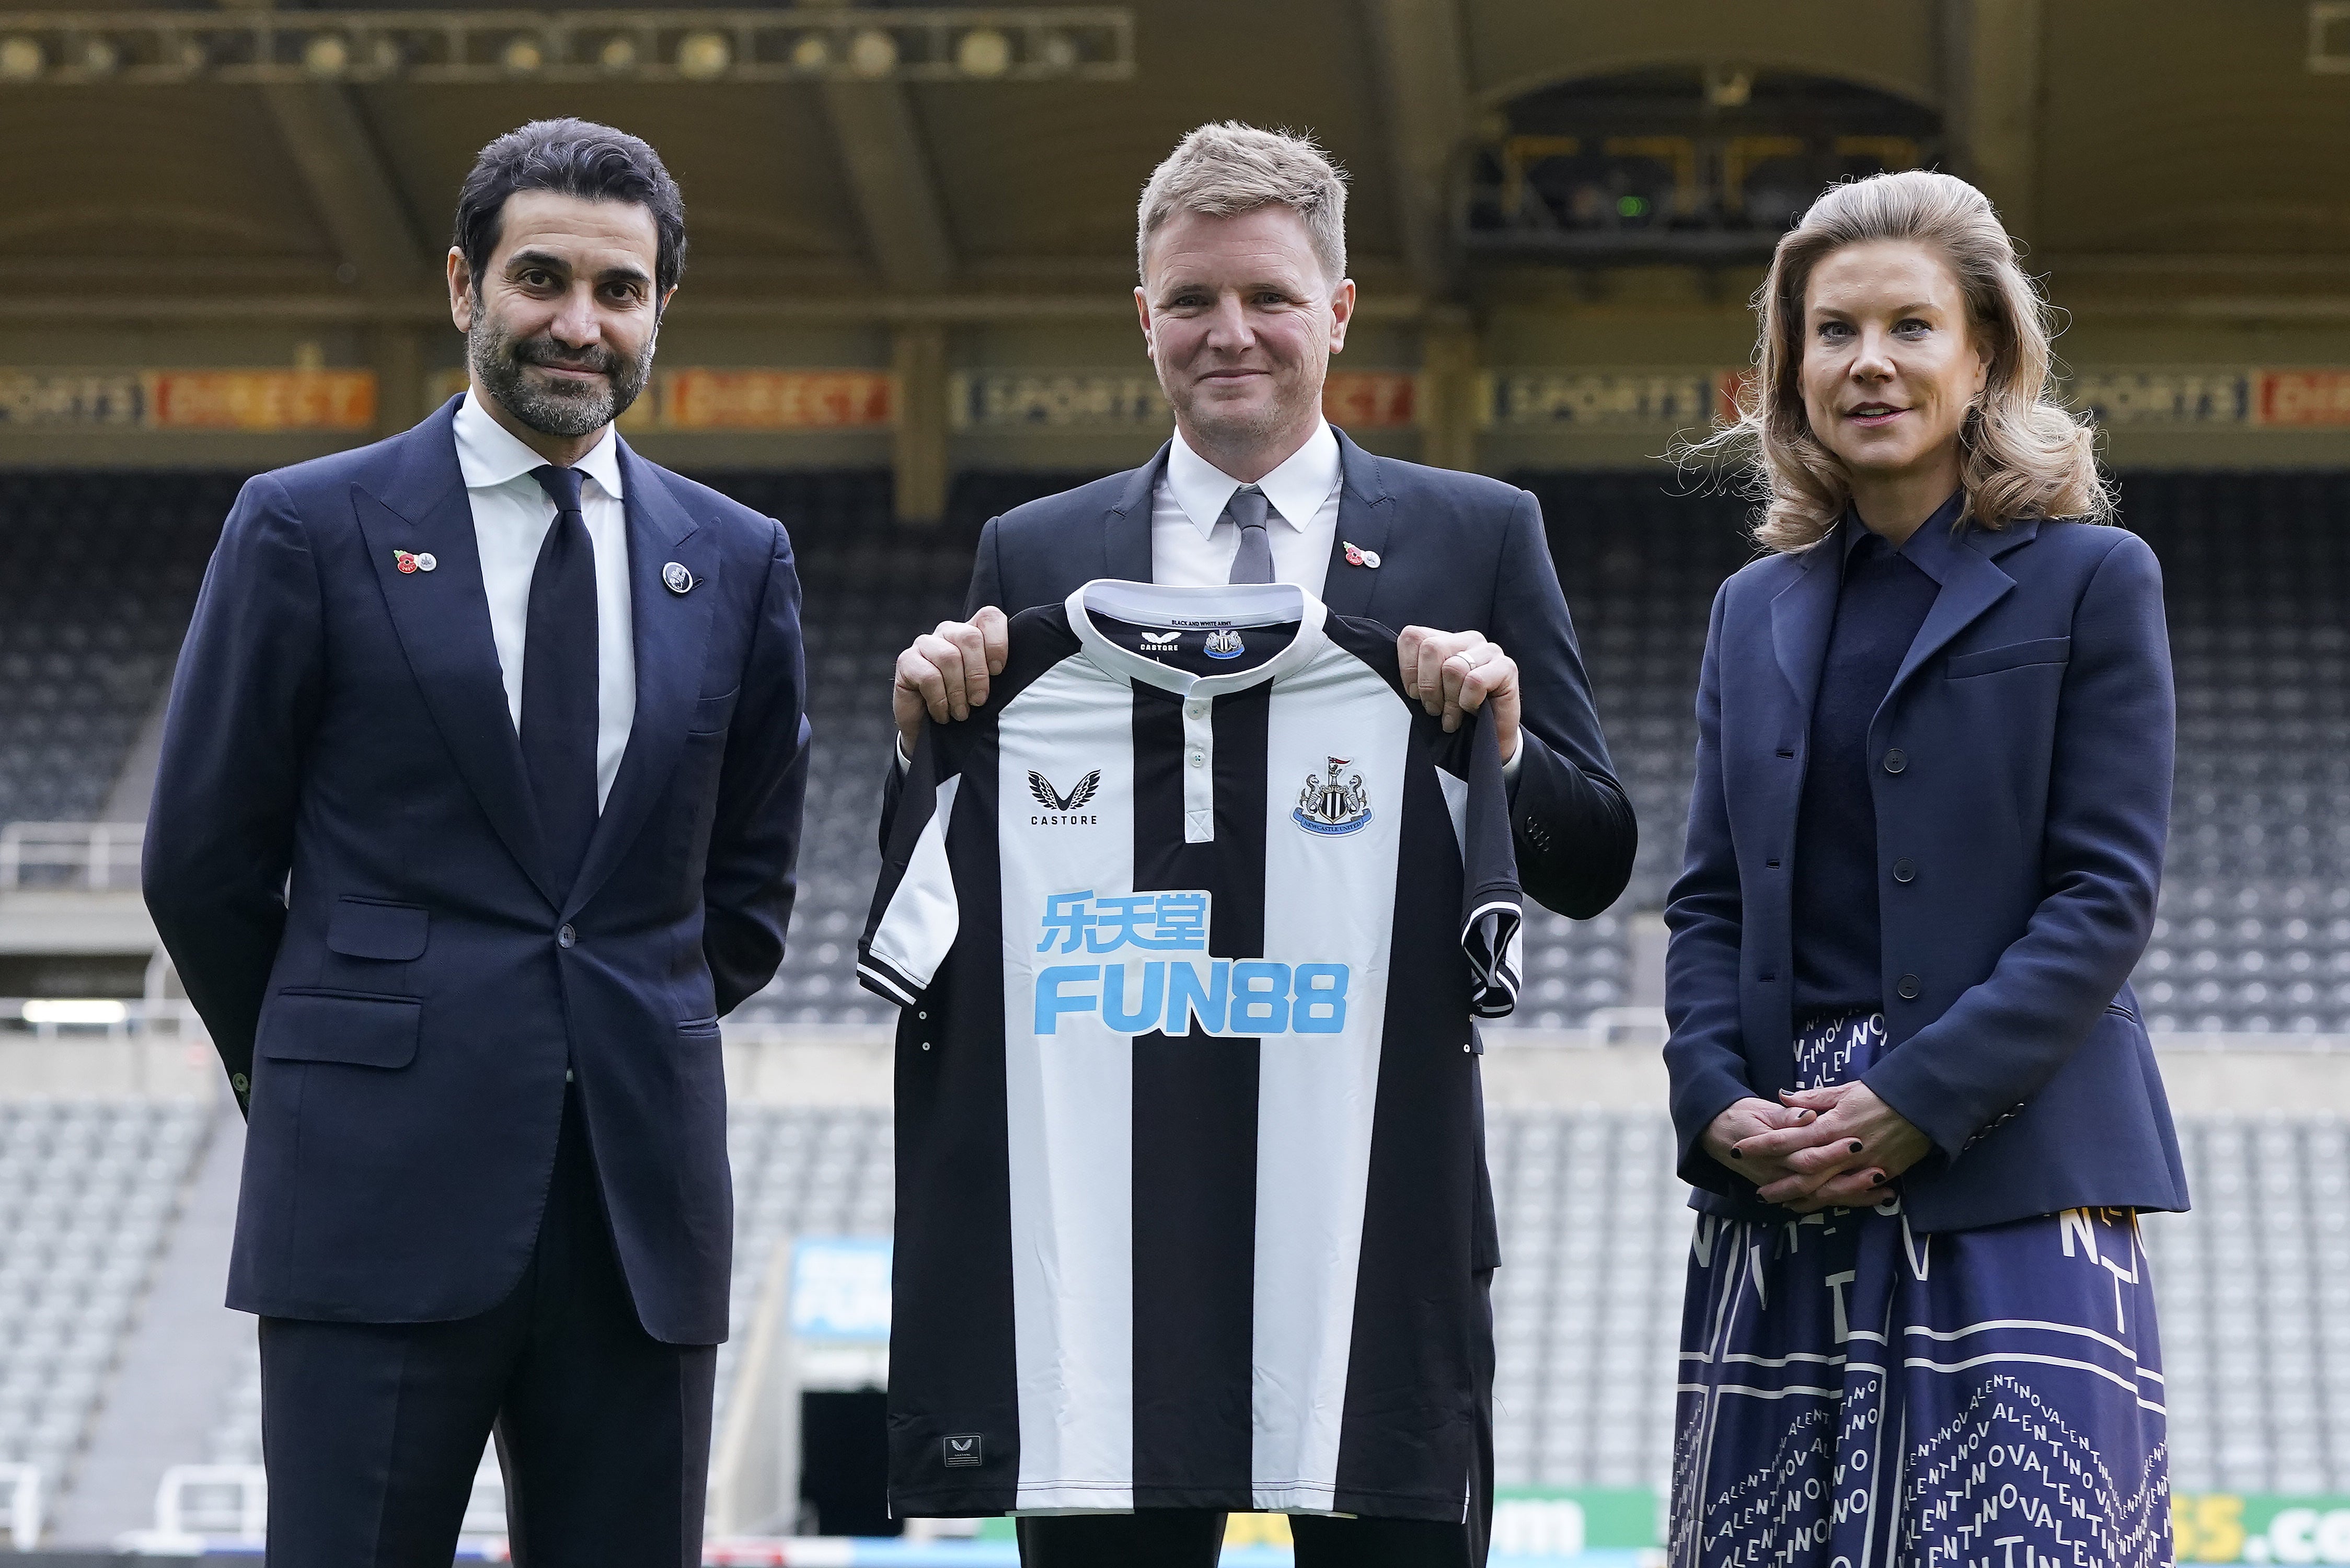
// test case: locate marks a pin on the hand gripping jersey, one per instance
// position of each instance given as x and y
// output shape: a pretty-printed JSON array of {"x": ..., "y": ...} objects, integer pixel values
[{"x": 1188, "y": 925}]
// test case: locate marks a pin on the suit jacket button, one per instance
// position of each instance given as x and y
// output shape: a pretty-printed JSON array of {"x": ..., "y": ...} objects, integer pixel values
[
  {"x": 565, "y": 937},
  {"x": 1908, "y": 987},
  {"x": 239, "y": 1082},
  {"x": 1905, "y": 871},
  {"x": 1895, "y": 760}
]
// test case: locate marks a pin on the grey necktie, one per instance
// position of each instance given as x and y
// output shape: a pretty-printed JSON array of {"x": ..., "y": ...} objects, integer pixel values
[{"x": 1253, "y": 563}]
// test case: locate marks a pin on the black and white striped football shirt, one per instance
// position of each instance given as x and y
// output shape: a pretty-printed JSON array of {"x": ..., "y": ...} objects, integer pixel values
[{"x": 1189, "y": 925}]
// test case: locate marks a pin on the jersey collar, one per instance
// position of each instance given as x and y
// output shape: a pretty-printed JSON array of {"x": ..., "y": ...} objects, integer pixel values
[{"x": 1157, "y": 603}]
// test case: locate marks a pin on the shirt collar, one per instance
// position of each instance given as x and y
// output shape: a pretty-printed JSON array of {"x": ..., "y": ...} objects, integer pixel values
[
  {"x": 1297, "y": 489},
  {"x": 489, "y": 454},
  {"x": 1946, "y": 515}
]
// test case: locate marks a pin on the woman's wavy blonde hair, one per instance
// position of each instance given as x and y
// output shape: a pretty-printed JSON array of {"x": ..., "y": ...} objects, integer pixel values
[{"x": 2021, "y": 454}]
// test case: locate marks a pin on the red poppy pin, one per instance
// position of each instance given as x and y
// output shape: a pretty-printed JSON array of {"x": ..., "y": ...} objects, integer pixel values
[
  {"x": 406, "y": 561},
  {"x": 1359, "y": 556}
]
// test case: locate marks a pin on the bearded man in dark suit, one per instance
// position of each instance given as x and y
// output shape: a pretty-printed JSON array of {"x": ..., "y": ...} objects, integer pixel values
[{"x": 478, "y": 805}]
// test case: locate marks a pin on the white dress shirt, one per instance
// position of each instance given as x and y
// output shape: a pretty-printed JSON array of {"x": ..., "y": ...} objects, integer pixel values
[
  {"x": 1191, "y": 548},
  {"x": 511, "y": 517}
]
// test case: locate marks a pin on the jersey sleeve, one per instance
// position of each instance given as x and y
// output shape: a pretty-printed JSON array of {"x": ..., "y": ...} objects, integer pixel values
[
  {"x": 1469, "y": 767},
  {"x": 915, "y": 913}
]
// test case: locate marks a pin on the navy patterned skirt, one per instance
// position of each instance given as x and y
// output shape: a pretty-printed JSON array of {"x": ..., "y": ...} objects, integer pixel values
[{"x": 1857, "y": 1394}]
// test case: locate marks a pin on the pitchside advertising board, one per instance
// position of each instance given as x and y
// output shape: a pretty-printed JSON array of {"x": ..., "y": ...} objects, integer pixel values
[
  {"x": 1626, "y": 1523},
  {"x": 739, "y": 398},
  {"x": 1591, "y": 1525},
  {"x": 2250, "y": 1527}
]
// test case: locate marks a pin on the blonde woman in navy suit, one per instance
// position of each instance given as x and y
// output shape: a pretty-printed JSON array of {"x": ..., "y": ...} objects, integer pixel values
[{"x": 1934, "y": 760}]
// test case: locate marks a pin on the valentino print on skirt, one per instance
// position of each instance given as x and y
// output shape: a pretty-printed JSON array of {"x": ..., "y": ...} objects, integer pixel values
[{"x": 1854, "y": 1394}]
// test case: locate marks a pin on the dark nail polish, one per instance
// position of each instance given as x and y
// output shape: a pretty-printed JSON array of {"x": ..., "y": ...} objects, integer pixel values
[
  {"x": 1735, "y": 1155},
  {"x": 1856, "y": 1146},
  {"x": 1878, "y": 1181}
]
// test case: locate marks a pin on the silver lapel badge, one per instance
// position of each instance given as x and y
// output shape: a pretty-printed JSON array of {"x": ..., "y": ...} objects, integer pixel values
[{"x": 676, "y": 579}]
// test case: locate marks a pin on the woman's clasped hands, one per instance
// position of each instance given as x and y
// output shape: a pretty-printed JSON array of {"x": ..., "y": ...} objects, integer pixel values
[{"x": 1833, "y": 1148}]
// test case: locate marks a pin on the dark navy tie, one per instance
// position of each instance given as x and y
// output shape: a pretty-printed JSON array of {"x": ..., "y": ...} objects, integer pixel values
[{"x": 559, "y": 693}]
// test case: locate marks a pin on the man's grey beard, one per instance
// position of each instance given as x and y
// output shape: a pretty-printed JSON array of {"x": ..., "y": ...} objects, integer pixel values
[{"x": 498, "y": 359}]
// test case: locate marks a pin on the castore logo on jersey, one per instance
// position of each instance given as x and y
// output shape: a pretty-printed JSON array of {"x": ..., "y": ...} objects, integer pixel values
[{"x": 1063, "y": 810}]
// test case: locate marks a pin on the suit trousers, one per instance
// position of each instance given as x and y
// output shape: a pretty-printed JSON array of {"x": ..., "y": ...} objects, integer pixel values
[
  {"x": 1193, "y": 1538},
  {"x": 373, "y": 1432}
]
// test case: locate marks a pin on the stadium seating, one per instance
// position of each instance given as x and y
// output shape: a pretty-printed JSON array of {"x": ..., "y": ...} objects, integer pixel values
[
  {"x": 869, "y": 587},
  {"x": 88, "y": 1190},
  {"x": 2255, "y": 927},
  {"x": 98, "y": 573},
  {"x": 97, "y": 577}
]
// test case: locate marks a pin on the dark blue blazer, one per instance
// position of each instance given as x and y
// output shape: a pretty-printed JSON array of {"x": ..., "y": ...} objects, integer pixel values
[
  {"x": 404, "y": 1011},
  {"x": 1458, "y": 552},
  {"x": 2021, "y": 766}
]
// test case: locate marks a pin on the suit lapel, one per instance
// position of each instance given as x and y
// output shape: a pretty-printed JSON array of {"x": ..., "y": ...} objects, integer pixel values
[
  {"x": 1802, "y": 615},
  {"x": 1366, "y": 515},
  {"x": 670, "y": 636},
  {"x": 1971, "y": 583},
  {"x": 1126, "y": 530},
  {"x": 443, "y": 620}
]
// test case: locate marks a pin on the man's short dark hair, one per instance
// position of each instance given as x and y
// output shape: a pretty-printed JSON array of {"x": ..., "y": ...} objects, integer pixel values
[{"x": 573, "y": 157}]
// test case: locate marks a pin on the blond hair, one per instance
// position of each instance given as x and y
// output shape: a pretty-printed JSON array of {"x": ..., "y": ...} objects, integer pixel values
[
  {"x": 1225, "y": 168},
  {"x": 2021, "y": 454}
]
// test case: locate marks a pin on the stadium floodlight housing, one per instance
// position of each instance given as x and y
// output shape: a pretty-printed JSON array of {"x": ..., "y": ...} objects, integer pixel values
[
  {"x": 1013, "y": 43},
  {"x": 984, "y": 52},
  {"x": 2329, "y": 37},
  {"x": 326, "y": 55},
  {"x": 21, "y": 58},
  {"x": 873, "y": 52}
]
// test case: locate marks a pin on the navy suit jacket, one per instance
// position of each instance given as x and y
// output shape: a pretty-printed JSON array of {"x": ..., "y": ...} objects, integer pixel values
[
  {"x": 400, "y": 1016},
  {"x": 2021, "y": 766},
  {"x": 1458, "y": 552}
]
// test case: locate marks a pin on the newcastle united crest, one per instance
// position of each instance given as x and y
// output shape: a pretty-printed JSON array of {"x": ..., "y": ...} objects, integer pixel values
[
  {"x": 1334, "y": 805},
  {"x": 1225, "y": 643}
]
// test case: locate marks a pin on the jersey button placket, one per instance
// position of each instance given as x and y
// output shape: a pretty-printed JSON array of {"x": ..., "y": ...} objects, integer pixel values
[{"x": 1199, "y": 771}]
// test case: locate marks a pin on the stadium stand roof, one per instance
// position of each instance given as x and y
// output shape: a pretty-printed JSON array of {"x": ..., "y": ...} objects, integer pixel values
[{"x": 2152, "y": 151}]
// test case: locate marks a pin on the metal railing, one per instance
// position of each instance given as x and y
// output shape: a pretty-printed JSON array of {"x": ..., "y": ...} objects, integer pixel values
[
  {"x": 213, "y": 1500},
  {"x": 77, "y": 1018},
  {"x": 203, "y": 1505},
  {"x": 20, "y": 1504},
  {"x": 84, "y": 856}
]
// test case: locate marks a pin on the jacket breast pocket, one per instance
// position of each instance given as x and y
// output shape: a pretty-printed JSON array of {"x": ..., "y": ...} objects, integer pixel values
[
  {"x": 712, "y": 714},
  {"x": 375, "y": 929},
  {"x": 2009, "y": 656},
  {"x": 357, "y": 1030}
]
